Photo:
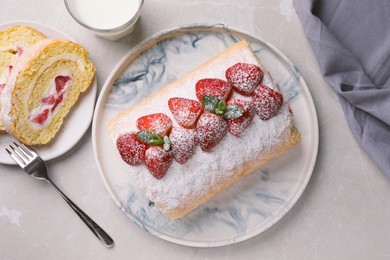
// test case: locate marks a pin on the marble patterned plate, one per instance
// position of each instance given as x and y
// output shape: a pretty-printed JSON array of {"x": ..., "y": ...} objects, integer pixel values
[
  {"x": 75, "y": 124},
  {"x": 250, "y": 206}
]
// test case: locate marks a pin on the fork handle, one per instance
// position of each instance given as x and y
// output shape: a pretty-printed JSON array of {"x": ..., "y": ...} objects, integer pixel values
[{"x": 95, "y": 228}]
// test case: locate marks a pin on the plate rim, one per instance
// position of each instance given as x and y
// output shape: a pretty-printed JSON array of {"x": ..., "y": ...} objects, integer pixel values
[
  {"x": 91, "y": 91},
  {"x": 163, "y": 35}
]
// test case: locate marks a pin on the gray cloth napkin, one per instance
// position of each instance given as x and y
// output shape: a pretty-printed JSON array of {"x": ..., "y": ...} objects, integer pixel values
[{"x": 351, "y": 40}]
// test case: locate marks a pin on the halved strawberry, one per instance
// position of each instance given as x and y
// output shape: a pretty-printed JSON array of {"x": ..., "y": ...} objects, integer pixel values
[
  {"x": 158, "y": 123},
  {"x": 131, "y": 149},
  {"x": 183, "y": 143},
  {"x": 215, "y": 87},
  {"x": 158, "y": 161},
  {"x": 40, "y": 118},
  {"x": 244, "y": 77},
  {"x": 60, "y": 82},
  {"x": 238, "y": 125},
  {"x": 211, "y": 129},
  {"x": 57, "y": 101},
  {"x": 185, "y": 111},
  {"x": 267, "y": 102},
  {"x": 49, "y": 100}
]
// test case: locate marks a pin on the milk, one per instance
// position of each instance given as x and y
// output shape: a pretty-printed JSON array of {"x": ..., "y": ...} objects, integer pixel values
[{"x": 105, "y": 14}]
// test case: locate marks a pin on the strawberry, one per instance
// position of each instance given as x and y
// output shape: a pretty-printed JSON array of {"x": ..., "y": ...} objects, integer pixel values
[
  {"x": 57, "y": 102},
  {"x": 131, "y": 149},
  {"x": 40, "y": 118},
  {"x": 267, "y": 102},
  {"x": 215, "y": 87},
  {"x": 158, "y": 161},
  {"x": 185, "y": 111},
  {"x": 49, "y": 100},
  {"x": 158, "y": 123},
  {"x": 2, "y": 84},
  {"x": 60, "y": 82},
  {"x": 238, "y": 125},
  {"x": 244, "y": 77},
  {"x": 19, "y": 51},
  {"x": 183, "y": 143},
  {"x": 211, "y": 129}
]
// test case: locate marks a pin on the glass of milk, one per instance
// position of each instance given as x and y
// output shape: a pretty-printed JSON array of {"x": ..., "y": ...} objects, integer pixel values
[{"x": 110, "y": 19}]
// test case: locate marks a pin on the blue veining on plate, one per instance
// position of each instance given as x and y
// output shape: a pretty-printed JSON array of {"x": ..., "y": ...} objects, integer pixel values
[
  {"x": 255, "y": 201},
  {"x": 295, "y": 70},
  {"x": 268, "y": 198}
]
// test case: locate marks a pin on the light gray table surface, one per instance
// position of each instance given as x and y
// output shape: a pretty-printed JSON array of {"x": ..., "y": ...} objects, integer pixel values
[{"x": 342, "y": 214}]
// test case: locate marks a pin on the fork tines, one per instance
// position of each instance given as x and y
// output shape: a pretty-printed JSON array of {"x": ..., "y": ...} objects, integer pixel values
[{"x": 21, "y": 154}]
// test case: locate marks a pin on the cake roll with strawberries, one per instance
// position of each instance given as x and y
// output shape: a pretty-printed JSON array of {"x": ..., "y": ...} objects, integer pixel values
[
  {"x": 42, "y": 87},
  {"x": 13, "y": 41},
  {"x": 200, "y": 134}
]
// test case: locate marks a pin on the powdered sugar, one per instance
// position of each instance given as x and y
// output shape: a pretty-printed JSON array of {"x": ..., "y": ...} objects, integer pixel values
[
  {"x": 185, "y": 111},
  {"x": 244, "y": 77},
  {"x": 203, "y": 170},
  {"x": 216, "y": 87},
  {"x": 185, "y": 117},
  {"x": 267, "y": 102},
  {"x": 158, "y": 161},
  {"x": 158, "y": 123},
  {"x": 131, "y": 149},
  {"x": 183, "y": 142},
  {"x": 238, "y": 125},
  {"x": 211, "y": 129}
]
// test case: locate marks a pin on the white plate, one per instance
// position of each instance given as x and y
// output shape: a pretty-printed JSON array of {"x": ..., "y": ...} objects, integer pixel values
[
  {"x": 250, "y": 206},
  {"x": 75, "y": 124}
]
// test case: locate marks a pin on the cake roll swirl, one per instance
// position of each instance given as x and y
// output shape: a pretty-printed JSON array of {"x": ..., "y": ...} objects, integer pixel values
[
  {"x": 13, "y": 42},
  {"x": 42, "y": 87}
]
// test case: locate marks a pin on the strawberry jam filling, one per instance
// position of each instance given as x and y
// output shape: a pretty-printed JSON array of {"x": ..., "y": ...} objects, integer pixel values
[{"x": 51, "y": 101}]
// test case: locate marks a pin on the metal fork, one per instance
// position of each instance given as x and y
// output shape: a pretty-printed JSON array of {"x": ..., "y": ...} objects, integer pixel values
[{"x": 36, "y": 167}]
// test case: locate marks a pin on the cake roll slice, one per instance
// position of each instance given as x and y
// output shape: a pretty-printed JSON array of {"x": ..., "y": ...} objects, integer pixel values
[
  {"x": 220, "y": 157},
  {"x": 41, "y": 89},
  {"x": 13, "y": 42}
]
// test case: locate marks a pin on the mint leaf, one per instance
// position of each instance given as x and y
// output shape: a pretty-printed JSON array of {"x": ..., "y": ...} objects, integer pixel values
[
  {"x": 220, "y": 108},
  {"x": 222, "y": 104},
  {"x": 210, "y": 103},
  {"x": 218, "y": 111},
  {"x": 148, "y": 137},
  {"x": 232, "y": 112}
]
